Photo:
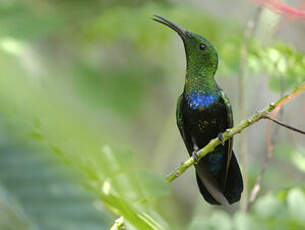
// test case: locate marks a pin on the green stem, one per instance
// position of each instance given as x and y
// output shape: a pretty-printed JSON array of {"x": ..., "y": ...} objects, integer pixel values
[
  {"x": 229, "y": 133},
  {"x": 118, "y": 224}
]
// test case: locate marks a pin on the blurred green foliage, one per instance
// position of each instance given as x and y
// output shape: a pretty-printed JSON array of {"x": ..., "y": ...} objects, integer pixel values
[
  {"x": 283, "y": 63},
  {"x": 48, "y": 195},
  {"x": 84, "y": 87}
]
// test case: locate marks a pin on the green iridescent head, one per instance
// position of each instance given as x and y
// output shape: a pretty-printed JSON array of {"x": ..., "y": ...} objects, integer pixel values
[{"x": 201, "y": 55}]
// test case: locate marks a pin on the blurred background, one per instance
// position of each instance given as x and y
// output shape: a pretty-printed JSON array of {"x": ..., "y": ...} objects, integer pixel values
[{"x": 88, "y": 94}]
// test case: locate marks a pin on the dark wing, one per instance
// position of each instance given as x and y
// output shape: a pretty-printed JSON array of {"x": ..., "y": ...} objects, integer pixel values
[
  {"x": 179, "y": 118},
  {"x": 207, "y": 184},
  {"x": 229, "y": 143}
]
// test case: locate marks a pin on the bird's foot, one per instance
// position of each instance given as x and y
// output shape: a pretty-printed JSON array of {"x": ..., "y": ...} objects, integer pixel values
[
  {"x": 220, "y": 137},
  {"x": 194, "y": 155}
]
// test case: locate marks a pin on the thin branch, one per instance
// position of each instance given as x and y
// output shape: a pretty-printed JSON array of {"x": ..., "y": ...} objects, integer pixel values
[
  {"x": 268, "y": 116},
  {"x": 229, "y": 133},
  {"x": 257, "y": 186}
]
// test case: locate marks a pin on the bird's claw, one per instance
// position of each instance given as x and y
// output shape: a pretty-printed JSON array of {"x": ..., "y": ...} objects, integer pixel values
[
  {"x": 220, "y": 137},
  {"x": 194, "y": 155}
]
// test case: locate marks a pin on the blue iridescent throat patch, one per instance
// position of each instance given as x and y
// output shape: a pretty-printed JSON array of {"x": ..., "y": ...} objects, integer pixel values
[{"x": 200, "y": 100}]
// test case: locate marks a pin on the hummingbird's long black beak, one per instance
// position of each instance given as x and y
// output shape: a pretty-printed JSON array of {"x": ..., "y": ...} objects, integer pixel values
[{"x": 182, "y": 32}]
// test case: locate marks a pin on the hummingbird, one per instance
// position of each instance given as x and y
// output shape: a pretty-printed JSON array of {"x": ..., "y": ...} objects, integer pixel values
[{"x": 204, "y": 112}]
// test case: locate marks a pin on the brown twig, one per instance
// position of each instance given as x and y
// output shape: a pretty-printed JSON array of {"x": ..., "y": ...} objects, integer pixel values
[{"x": 268, "y": 116}]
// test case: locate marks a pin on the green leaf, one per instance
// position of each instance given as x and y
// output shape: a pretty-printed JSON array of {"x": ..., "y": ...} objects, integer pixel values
[
  {"x": 47, "y": 192},
  {"x": 285, "y": 65},
  {"x": 137, "y": 217}
]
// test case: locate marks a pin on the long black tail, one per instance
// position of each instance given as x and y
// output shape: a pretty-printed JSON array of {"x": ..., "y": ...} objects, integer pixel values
[{"x": 233, "y": 188}]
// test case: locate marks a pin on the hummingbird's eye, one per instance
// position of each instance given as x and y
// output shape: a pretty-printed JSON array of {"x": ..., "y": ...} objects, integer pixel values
[{"x": 202, "y": 46}]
